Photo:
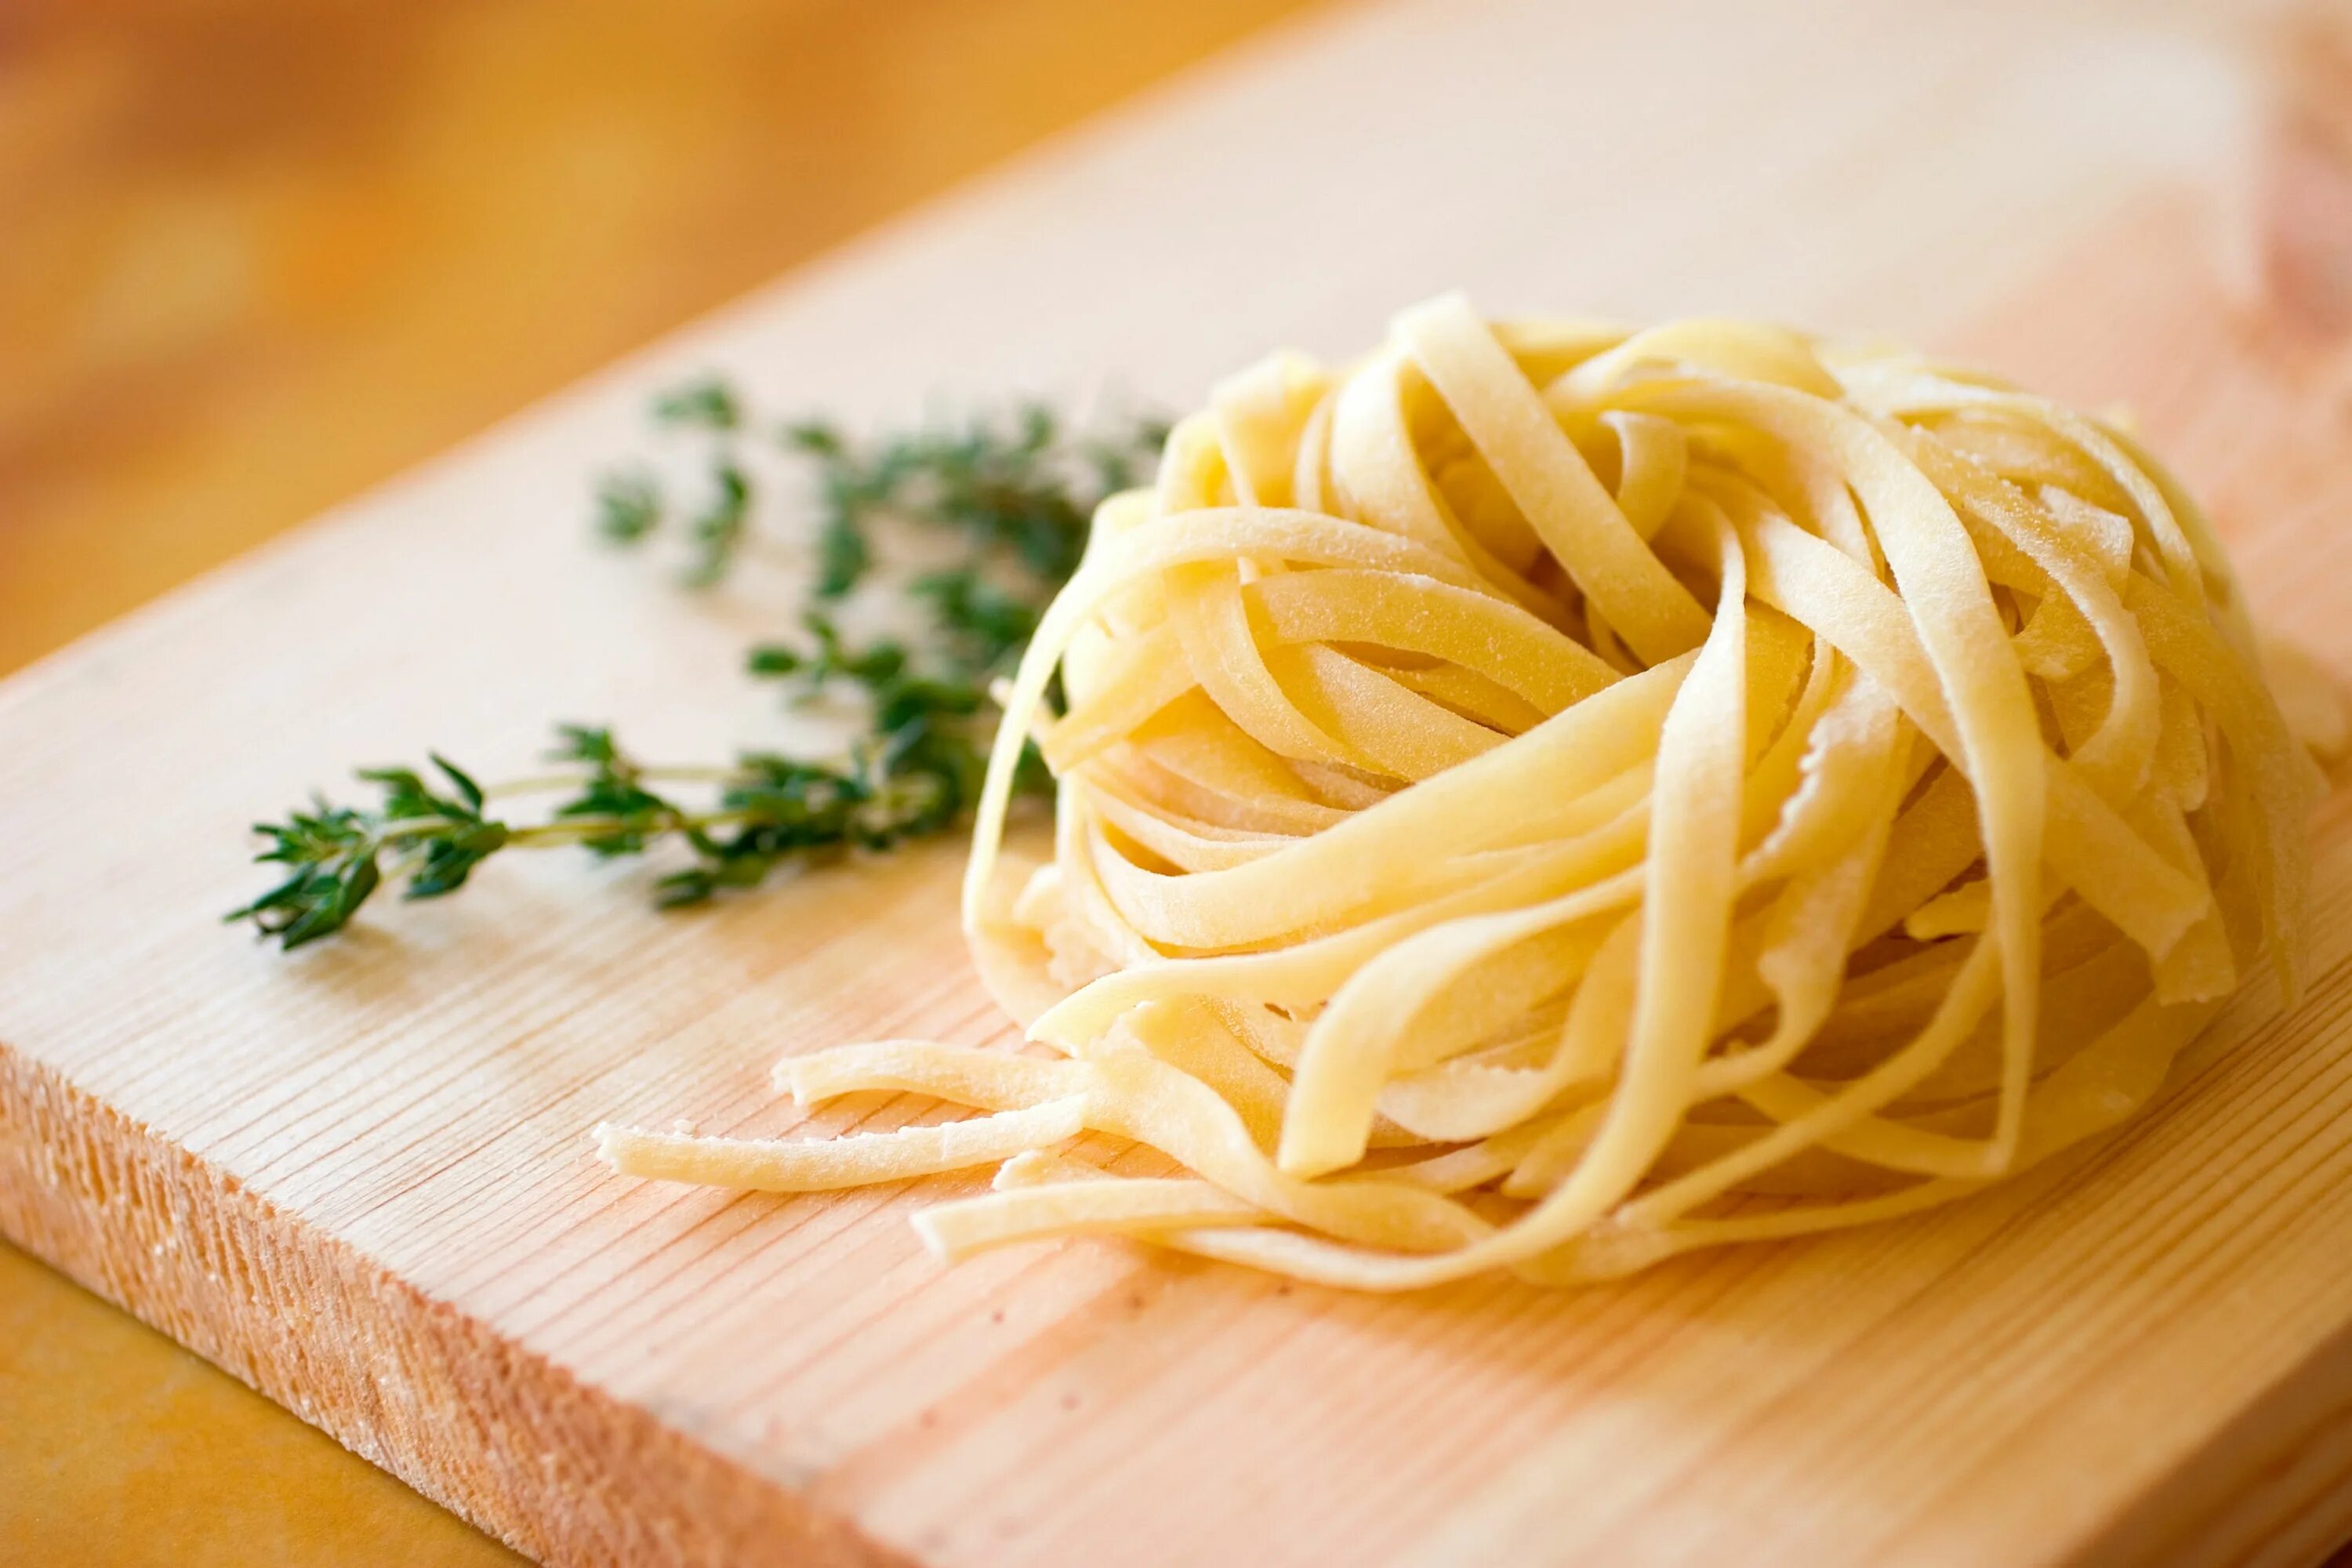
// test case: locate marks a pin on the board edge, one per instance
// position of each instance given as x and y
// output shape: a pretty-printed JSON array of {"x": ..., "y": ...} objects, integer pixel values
[{"x": 500, "y": 1435}]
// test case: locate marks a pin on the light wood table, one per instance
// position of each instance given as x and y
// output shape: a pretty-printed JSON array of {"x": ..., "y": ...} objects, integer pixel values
[
  {"x": 255, "y": 259},
  {"x": 261, "y": 256}
]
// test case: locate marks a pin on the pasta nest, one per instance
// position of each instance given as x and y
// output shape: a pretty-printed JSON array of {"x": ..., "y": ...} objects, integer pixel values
[{"x": 1549, "y": 797}]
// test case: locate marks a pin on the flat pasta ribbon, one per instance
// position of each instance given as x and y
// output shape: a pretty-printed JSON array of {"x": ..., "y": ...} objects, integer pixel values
[{"x": 1551, "y": 797}]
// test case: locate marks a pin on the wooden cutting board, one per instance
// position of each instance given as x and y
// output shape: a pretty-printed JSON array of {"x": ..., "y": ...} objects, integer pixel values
[{"x": 359, "y": 1176}]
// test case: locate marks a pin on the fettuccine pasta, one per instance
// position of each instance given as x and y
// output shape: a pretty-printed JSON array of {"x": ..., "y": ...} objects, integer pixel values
[{"x": 1551, "y": 797}]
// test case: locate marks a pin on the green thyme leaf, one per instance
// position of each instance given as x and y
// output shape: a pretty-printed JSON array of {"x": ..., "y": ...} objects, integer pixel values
[
  {"x": 1016, "y": 493},
  {"x": 628, "y": 506},
  {"x": 709, "y": 403}
]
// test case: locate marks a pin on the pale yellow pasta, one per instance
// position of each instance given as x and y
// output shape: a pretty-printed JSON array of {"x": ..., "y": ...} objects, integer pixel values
[{"x": 1551, "y": 797}]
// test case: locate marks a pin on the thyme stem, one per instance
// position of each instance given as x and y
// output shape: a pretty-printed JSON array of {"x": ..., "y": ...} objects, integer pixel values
[{"x": 1016, "y": 494}]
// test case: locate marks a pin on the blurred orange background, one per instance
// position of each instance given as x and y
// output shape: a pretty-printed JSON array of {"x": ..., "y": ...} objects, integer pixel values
[
  {"x": 260, "y": 254},
  {"x": 256, "y": 254}
]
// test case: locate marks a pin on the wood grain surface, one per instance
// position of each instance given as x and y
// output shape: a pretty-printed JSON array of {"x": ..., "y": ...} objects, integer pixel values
[
  {"x": 358, "y": 1177},
  {"x": 258, "y": 255}
]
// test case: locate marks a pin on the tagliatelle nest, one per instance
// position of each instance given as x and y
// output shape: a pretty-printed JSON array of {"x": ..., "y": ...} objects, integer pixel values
[{"x": 1548, "y": 798}]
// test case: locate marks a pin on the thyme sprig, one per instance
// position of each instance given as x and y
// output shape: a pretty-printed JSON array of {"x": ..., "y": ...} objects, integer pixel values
[
  {"x": 1014, "y": 494},
  {"x": 1019, "y": 487}
]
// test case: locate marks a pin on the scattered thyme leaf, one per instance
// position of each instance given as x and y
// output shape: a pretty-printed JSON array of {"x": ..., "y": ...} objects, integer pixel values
[
  {"x": 709, "y": 403},
  {"x": 628, "y": 506},
  {"x": 719, "y": 527}
]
